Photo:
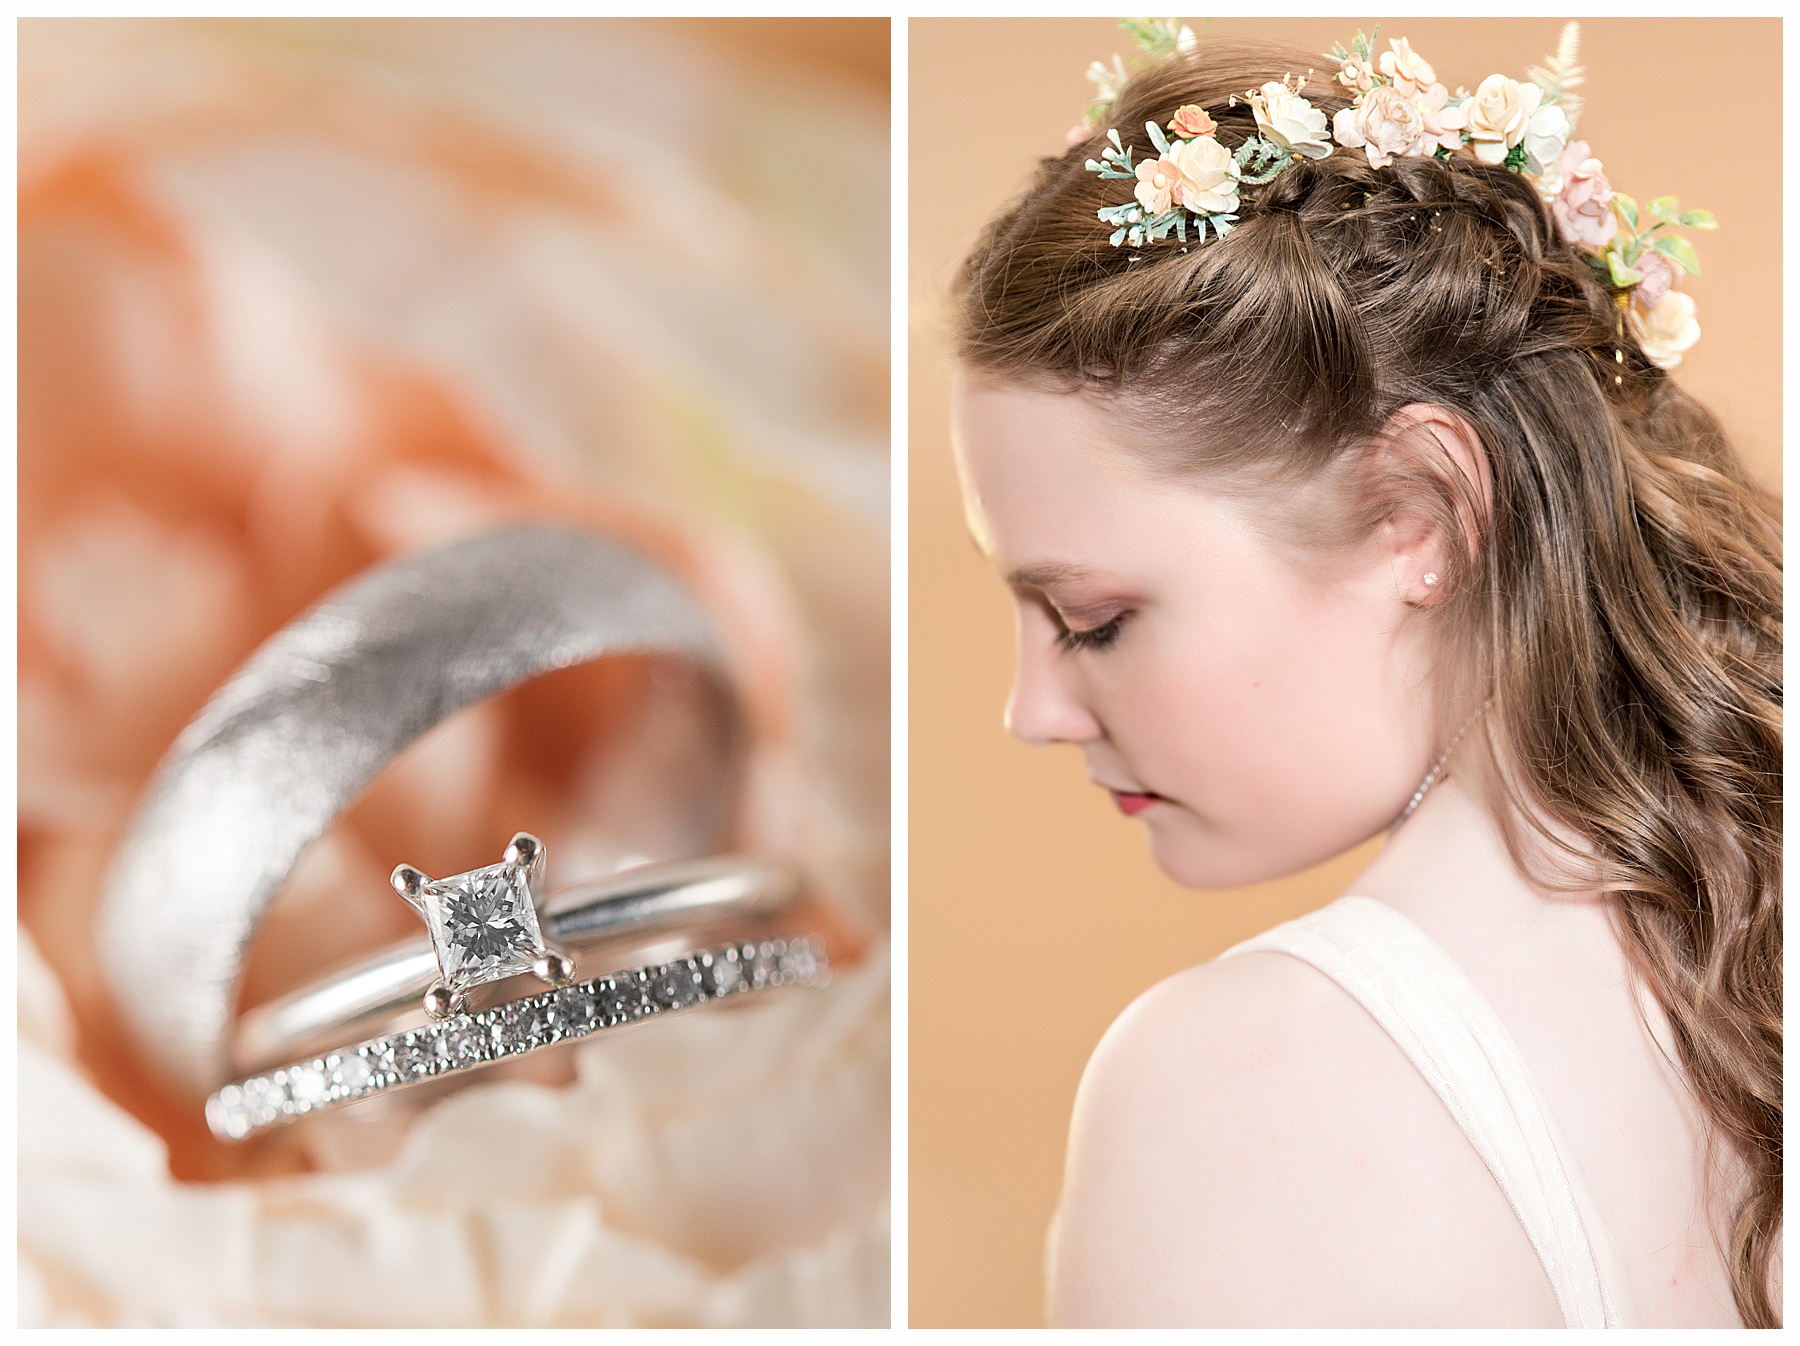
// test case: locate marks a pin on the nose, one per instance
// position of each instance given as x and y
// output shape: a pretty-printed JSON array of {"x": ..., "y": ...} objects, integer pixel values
[{"x": 1044, "y": 707}]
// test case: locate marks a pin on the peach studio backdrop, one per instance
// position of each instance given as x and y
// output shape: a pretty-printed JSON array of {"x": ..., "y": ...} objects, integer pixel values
[{"x": 1036, "y": 914}]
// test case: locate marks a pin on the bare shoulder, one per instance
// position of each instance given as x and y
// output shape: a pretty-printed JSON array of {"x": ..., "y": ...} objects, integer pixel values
[{"x": 1250, "y": 1148}]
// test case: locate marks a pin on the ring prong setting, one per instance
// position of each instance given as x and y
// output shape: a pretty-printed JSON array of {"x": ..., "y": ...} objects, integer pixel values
[
  {"x": 440, "y": 1001},
  {"x": 555, "y": 968},
  {"x": 410, "y": 884}
]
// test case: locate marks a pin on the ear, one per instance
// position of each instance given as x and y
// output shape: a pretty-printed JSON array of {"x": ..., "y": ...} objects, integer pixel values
[{"x": 1443, "y": 494}]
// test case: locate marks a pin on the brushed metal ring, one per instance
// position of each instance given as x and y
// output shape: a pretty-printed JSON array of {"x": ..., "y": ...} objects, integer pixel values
[{"x": 315, "y": 714}]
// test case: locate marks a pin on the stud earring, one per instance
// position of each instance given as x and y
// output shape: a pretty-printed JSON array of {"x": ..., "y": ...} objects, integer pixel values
[{"x": 1431, "y": 578}]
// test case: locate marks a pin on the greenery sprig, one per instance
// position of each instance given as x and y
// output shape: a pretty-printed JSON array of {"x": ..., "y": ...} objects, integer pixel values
[
  {"x": 1638, "y": 233},
  {"x": 1156, "y": 39},
  {"x": 1260, "y": 160},
  {"x": 1559, "y": 74}
]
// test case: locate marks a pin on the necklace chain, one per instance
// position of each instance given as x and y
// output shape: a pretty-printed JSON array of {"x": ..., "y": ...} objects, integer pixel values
[{"x": 1438, "y": 766}]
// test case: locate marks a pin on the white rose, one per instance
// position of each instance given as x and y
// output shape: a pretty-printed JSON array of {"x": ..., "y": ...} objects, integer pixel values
[
  {"x": 1545, "y": 135},
  {"x": 1666, "y": 330},
  {"x": 1498, "y": 114},
  {"x": 1287, "y": 119},
  {"x": 1209, "y": 175}
]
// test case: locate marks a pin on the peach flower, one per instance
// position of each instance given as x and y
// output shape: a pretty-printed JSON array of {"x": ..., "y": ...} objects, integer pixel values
[
  {"x": 1443, "y": 125},
  {"x": 1191, "y": 120},
  {"x": 1666, "y": 331},
  {"x": 1408, "y": 71},
  {"x": 1583, "y": 202},
  {"x": 1498, "y": 115},
  {"x": 1158, "y": 182},
  {"x": 1356, "y": 75}
]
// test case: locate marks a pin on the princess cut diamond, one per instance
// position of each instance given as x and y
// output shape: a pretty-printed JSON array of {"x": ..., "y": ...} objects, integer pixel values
[{"x": 483, "y": 925}]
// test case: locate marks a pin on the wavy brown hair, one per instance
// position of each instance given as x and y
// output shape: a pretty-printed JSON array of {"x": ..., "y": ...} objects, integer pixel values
[{"x": 1622, "y": 606}]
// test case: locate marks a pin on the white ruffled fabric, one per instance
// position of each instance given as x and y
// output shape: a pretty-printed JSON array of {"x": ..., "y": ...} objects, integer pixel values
[{"x": 723, "y": 1168}]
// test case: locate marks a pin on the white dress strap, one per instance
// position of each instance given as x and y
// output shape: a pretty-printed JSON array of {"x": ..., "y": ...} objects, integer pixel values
[{"x": 1428, "y": 1005}]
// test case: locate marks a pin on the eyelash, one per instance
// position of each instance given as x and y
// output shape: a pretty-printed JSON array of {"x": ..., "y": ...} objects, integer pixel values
[{"x": 1095, "y": 638}]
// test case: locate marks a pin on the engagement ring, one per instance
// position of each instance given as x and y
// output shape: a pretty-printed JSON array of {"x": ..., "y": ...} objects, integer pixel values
[{"x": 702, "y": 901}]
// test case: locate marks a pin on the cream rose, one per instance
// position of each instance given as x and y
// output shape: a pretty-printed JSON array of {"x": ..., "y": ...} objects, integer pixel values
[
  {"x": 1667, "y": 330},
  {"x": 1498, "y": 114},
  {"x": 1191, "y": 121},
  {"x": 1208, "y": 175},
  {"x": 1386, "y": 125},
  {"x": 1287, "y": 119},
  {"x": 1583, "y": 201},
  {"x": 1408, "y": 71},
  {"x": 1158, "y": 181}
]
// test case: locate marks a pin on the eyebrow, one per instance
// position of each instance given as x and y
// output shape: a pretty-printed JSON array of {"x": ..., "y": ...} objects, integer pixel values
[{"x": 1046, "y": 573}]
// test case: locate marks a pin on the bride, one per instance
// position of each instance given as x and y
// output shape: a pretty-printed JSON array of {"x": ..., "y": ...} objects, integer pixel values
[{"x": 1323, "y": 431}]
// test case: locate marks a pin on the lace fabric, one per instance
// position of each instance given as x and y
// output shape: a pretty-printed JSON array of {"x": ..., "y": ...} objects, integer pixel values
[{"x": 1428, "y": 1005}]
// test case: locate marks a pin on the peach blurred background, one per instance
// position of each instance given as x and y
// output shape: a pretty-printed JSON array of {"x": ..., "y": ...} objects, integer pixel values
[
  {"x": 298, "y": 295},
  {"x": 1035, "y": 912}
]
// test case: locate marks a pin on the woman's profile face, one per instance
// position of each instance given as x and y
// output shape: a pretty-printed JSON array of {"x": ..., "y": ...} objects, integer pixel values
[{"x": 1258, "y": 712}]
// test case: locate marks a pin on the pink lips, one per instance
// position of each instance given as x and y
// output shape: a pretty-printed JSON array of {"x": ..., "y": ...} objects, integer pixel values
[{"x": 1132, "y": 804}]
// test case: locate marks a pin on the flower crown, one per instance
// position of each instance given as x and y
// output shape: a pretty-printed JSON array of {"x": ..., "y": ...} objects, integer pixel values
[{"x": 1398, "y": 110}]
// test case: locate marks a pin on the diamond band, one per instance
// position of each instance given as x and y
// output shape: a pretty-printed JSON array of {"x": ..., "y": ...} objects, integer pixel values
[{"x": 469, "y": 1041}]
